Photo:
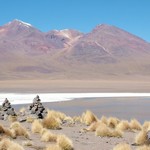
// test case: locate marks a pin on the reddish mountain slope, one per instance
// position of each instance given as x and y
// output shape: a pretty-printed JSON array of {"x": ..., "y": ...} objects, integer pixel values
[{"x": 26, "y": 52}]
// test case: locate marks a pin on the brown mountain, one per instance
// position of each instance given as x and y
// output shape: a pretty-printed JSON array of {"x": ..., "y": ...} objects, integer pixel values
[{"x": 107, "y": 51}]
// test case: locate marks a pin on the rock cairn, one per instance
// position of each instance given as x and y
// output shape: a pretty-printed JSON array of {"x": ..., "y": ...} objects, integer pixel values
[
  {"x": 37, "y": 108},
  {"x": 7, "y": 110}
]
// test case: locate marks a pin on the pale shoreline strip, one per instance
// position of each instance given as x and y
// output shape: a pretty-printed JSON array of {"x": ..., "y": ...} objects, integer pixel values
[{"x": 21, "y": 98}]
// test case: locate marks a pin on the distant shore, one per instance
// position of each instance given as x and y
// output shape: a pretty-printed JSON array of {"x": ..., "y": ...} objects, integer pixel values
[{"x": 83, "y": 86}]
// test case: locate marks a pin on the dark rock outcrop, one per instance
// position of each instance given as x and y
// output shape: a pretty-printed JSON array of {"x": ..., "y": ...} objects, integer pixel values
[
  {"x": 7, "y": 110},
  {"x": 37, "y": 108}
]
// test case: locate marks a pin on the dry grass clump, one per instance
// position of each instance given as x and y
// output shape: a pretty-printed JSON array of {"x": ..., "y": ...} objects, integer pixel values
[
  {"x": 113, "y": 122},
  {"x": 12, "y": 118},
  {"x": 53, "y": 147},
  {"x": 135, "y": 125},
  {"x": 145, "y": 147},
  {"x": 47, "y": 136},
  {"x": 141, "y": 138},
  {"x": 122, "y": 146},
  {"x": 6, "y": 144},
  {"x": 36, "y": 126},
  {"x": 22, "y": 110},
  {"x": 51, "y": 122},
  {"x": 146, "y": 125},
  {"x": 102, "y": 131},
  {"x": 69, "y": 119},
  {"x": 18, "y": 130},
  {"x": 56, "y": 114},
  {"x": 2, "y": 129},
  {"x": 5, "y": 131},
  {"x": 64, "y": 142},
  {"x": 104, "y": 120},
  {"x": 123, "y": 125},
  {"x": 95, "y": 125},
  {"x": 30, "y": 119},
  {"x": 105, "y": 131},
  {"x": 77, "y": 119},
  {"x": 88, "y": 118},
  {"x": 27, "y": 143},
  {"x": 43, "y": 131}
]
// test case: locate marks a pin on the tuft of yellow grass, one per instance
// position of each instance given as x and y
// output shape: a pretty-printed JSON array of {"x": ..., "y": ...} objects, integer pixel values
[
  {"x": 22, "y": 110},
  {"x": 104, "y": 120},
  {"x": 12, "y": 118},
  {"x": 47, "y": 136},
  {"x": 64, "y": 142},
  {"x": 123, "y": 125},
  {"x": 77, "y": 119},
  {"x": 5, "y": 131},
  {"x": 105, "y": 131},
  {"x": 18, "y": 130},
  {"x": 50, "y": 122},
  {"x": 113, "y": 122},
  {"x": 88, "y": 118},
  {"x": 146, "y": 125},
  {"x": 122, "y": 146},
  {"x": 56, "y": 114},
  {"x": 27, "y": 143},
  {"x": 69, "y": 119},
  {"x": 53, "y": 147},
  {"x": 30, "y": 119},
  {"x": 135, "y": 125},
  {"x": 36, "y": 126},
  {"x": 94, "y": 126},
  {"x": 116, "y": 133},
  {"x": 6, "y": 144},
  {"x": 141, "y": 138},
  {"x": 43, "y": 131},
  {"x": 145, "y": 147}
]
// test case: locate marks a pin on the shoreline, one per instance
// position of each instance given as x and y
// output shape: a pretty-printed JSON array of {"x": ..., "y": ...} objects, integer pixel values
[
  {"x": 27, "y": 98},
  {"x": 80, "y": 86}
]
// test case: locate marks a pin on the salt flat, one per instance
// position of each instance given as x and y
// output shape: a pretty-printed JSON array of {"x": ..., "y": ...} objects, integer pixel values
[{"x": 21, "y": 98}]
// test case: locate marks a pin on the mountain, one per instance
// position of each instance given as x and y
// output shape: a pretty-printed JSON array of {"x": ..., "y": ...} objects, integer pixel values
[
  {"x": 108, "y": 43},
  {"x": 105, "y": 52}
]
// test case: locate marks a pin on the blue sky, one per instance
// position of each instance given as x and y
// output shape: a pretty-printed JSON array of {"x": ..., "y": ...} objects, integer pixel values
[{"x": 130, "y": 15}]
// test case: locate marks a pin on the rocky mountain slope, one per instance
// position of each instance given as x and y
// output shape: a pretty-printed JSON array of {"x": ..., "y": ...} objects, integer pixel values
[{"x": 105, "y": 52}]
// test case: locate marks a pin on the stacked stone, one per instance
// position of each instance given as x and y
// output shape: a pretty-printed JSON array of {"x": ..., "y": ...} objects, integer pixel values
[
  {"x": 7, "y": 110},
  {"x": 37, "y": 108}
]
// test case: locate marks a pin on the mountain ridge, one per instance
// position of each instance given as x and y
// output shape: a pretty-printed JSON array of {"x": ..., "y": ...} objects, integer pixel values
[{"x": 106, "y": 51}]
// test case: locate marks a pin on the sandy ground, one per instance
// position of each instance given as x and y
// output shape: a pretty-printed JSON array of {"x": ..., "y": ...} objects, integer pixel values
[
  {"x": 123, "y": 108},
  {"x": 81, "y": 141},
  {"x": 130, "y": 85}
]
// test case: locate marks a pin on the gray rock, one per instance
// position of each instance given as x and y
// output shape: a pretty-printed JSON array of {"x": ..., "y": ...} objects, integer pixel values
[
  {"x": 33, "y": 110},
  {"x": 44, "y": 111},
  {"x": 36, "y": 99},
  {"x": 41, "y": 109},
  {"x": 11, "y": 112},
  {"x": 4, "y": 108},
  {"x": 44, "y": 114},
  {"x": 1, "y": 117},
  {"x": 30, "y": 107},
  {"x": 38, "y": 113},
  {"x": 22, "y": 119},
  {"x": 34, "y": 116},
  {"x": 5, "y": 117},
  {"x": 40, "y": 105},
  {"x": 8, "y": 105},
  {"x": 36, "y": 108}
]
